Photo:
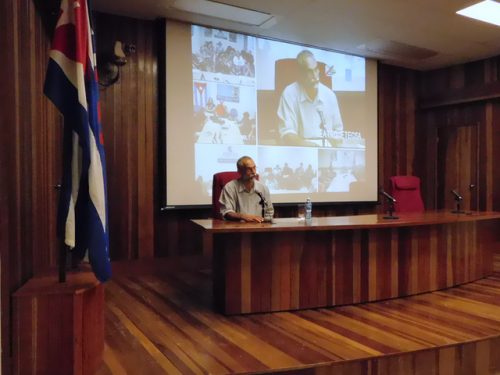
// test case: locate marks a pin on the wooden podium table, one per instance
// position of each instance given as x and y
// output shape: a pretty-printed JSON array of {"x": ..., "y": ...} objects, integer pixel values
[
  {"x": 58, "y": 328},
  {"x": 342, "y": 260}
]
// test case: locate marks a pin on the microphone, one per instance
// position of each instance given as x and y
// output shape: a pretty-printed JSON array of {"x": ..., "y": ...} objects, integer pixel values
[
  {"x": 263, "y": 201},
  {"x": 457, "y": 196},
  {"x": 392, "y": 200},
  {"x": 322, "y": 124},
  {"x": 321, "y": 118},
  {"x": 388, "y": 196}
]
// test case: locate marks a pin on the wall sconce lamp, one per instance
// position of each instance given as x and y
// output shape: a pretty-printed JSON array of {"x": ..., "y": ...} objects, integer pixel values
[{"x": 109, "y": 68}]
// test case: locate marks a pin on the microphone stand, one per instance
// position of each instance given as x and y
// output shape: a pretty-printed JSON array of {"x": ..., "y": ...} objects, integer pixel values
[
  {"x": 323, "y": 134},
  {"x": 457, "y": 209},
  {"x": 322, "y": 127},
  {"x": 391, "y": 201},
  {"x": 262, "y": 202},
  {"x": 391, "y": 211}
]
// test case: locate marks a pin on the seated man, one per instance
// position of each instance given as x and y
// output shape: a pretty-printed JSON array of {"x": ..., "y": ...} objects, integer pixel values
[
  {"x": 308, "y": 111},
  {"x": 242, "y": 199}
]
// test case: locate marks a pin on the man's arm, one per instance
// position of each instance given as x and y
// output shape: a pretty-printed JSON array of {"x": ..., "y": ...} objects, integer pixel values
[
  {"x": 337, "y": 125},
  {"x": 236, "y": 216},
  {"x": 292, "y": 139},
  {"x": 287, "y": 125},
  {"x": 289, "y": 121}
]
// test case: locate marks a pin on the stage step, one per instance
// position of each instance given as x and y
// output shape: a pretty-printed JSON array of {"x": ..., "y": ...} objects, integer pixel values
[{"x": 160, "y": 321}]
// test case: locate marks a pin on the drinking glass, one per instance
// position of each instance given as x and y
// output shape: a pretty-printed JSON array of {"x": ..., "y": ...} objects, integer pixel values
[
  {"x": 301, "y": 211},
  {"x": 268, "y": 214}
]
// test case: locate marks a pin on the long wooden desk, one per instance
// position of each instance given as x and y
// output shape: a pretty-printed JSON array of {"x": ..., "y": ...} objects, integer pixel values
[{"x": 342, "y": 260}]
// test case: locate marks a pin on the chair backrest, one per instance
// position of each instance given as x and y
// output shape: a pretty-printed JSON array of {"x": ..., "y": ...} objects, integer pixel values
[
  {"x": 220, "y": 179},
  {"x": 406, "y": 191},
  {"x": 286, "y": 72}
]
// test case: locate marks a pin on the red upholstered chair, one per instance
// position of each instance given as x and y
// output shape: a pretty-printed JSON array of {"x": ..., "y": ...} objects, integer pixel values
[
  {"x": 406, "y": 191},
  {"x": 220, "y": 179}
]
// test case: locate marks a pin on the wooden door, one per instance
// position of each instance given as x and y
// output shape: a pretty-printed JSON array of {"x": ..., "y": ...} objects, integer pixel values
[{"x": 458, "y": 166}]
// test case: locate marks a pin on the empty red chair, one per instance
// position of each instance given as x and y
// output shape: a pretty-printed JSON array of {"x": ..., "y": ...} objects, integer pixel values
[
  {"x": 220, "y": 179},
  {"x": 406, "y": 191}
]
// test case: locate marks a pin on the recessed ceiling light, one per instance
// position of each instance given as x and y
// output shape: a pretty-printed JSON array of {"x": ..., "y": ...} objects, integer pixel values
[
  {"x": 486, "y": 11},
  {"x": 223, "y": 11}
]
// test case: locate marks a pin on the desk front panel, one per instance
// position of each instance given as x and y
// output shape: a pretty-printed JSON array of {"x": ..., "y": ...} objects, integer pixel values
[{"x": 275, "y": 271}]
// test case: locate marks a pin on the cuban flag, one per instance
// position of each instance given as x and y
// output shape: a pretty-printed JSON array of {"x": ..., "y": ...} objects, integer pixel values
[{"x": 71, "y": 84}]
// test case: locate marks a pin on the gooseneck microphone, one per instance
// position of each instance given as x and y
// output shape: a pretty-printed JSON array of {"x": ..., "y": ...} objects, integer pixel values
[
  {"x": 321, "y": 118},
  {"x": 458, "y": 199},
  {"x": 262, "y": 199},
  {"x": 457, "y": 196},
  {"x": 322, "y": 124},
  {"x": 262, "y": 202},
  {"x": 388, "y": 196},
  {"x": 391, "y": 201}
]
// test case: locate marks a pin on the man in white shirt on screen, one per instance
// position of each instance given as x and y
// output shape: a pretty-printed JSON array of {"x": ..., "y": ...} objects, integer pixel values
[
  {"x": 308, "y": 111},
  {"x": 244, "y": 198}
]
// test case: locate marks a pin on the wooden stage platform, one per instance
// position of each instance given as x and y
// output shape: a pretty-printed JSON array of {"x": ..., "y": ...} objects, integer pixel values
[{"x": 159, "y": 320}]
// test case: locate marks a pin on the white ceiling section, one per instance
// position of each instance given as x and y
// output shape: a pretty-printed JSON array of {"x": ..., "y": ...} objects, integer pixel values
[{"x": 422, "y": 35}]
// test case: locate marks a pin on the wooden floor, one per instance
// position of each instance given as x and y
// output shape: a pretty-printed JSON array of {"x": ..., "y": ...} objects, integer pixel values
[{"x": 159, "y": 320}]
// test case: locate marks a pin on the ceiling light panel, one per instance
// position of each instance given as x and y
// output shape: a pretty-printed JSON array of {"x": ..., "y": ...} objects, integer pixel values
[
  {"x": 486, "y": 11},
  {"x": 223, "y": 11}
]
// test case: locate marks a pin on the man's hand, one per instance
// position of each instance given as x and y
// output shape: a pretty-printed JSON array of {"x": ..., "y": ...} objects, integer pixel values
[
  {"x": 336, "y": 142},
  {"x": 294, "y": 140},
  {"x": 244, "y": 217},
  {"x": 252, "y": 218}
]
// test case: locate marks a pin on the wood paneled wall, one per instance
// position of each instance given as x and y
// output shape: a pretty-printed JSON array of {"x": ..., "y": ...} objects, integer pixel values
[
  {"x": 29, "y": 156},
  {"x": 31, "y": 129},
  {"x": 396, "y": 122},
  {"x": 450, "y": 100},
  {"x": 130, "y": 122}
]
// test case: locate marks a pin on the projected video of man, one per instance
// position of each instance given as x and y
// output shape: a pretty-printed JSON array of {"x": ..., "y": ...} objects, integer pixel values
[{"x": 308, "y": 111}]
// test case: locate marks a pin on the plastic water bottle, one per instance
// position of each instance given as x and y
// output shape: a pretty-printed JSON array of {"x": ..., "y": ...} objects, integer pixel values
[{"x": 308, "y": 210}]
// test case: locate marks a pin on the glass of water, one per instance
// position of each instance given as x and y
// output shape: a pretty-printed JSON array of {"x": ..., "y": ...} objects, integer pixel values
[
  {"x": 268, "y": 214},
  {"x": 301, "y": 211}
]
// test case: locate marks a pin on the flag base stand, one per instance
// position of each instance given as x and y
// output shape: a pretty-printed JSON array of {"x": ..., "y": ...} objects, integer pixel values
[{"x": 58, "y": 328}]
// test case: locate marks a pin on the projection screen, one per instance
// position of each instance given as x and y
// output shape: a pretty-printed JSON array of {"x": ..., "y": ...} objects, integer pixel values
[{"x": 229, "y": 94}]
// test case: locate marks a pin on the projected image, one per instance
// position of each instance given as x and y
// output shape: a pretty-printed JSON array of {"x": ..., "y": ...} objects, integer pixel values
[
  {"x": 224, "y": 113},
  {"x": 288, "y": 170},
  {"x": 222, "y": 55},
  {"x": 307, "y": 116},
  {"x": 302, "y": 95},
  {"x": 339, "y": 170},
  {"x": 224, "y": 93},
  {"x": 210, "y": 159}
]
